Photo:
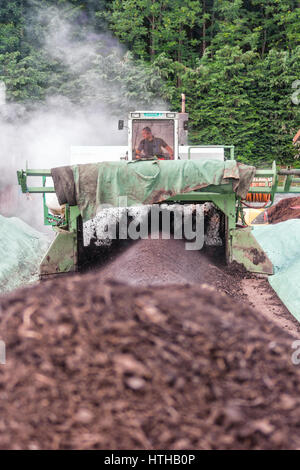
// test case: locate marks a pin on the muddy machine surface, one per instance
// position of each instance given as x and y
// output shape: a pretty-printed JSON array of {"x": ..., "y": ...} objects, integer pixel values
[{"x": 240, "y": 245}]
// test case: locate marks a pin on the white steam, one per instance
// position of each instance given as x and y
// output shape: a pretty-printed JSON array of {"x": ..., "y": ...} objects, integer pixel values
[{"x": 85, "y": 111}]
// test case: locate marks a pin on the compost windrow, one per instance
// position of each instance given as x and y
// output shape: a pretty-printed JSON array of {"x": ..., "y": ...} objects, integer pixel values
[
  {"x": 285, "y": 209},
  {"x": 93, "y": 364}
]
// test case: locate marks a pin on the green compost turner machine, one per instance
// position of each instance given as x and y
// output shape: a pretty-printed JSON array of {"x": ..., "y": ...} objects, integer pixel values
[
  {"x": 240, "y": 244},
  {"x": 166, "y": 133}
]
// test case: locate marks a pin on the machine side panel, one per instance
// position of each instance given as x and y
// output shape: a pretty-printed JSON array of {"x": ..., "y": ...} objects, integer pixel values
[
  {"x": 247, "y": 251},
  {"x": 62, "y": 255}
]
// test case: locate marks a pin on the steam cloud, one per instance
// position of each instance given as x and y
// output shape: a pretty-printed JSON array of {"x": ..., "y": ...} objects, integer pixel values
[{"x": 84, "y": 115}]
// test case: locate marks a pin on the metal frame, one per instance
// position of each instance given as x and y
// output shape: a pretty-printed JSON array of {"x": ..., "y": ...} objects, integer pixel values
[
  {"x": 22, "y": 176},
  {"x": 241, "y": 246},
  {"x": 230, "y": 147},
  {"x": 162, "y": 115},
  {"x": 62, "y": 255}
]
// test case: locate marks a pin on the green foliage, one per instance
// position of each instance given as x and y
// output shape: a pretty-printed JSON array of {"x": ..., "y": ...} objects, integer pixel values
[
  {"x": 236, "y": 61},
  {"x": 236, "y": 98},
  {"x": 118, "y": 82},
  {"x": 150, "y": 28},
  {"x": 22, "y": 78}
]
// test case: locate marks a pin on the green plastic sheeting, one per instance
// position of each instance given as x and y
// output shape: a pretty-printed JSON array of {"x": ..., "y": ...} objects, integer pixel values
[
  {"x": 148, "y": 182},
  {"x": 281, "y": 242},
  {"x": 21, "y": 250}
]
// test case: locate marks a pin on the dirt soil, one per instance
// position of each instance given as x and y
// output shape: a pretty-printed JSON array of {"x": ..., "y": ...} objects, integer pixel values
[
  {"x": 285, "y": 209},
  {"x": 95, "y": 364},
  {"x": 159, "y": 262},
  {"x": 260, "y": 295}
]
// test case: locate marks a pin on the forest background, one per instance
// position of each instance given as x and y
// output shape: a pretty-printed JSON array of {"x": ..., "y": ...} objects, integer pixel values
[{"x": 237, "y": 61}]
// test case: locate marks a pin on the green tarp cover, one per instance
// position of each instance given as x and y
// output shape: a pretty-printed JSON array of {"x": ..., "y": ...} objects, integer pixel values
[
  {"x": 21, "y": 251},
  {"x": 281, "y": 242},
  {"x": 148, "y": 182}
]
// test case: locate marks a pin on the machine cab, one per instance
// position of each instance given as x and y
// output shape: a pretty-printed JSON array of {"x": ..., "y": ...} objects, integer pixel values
[{"x": 156, "y": 134}]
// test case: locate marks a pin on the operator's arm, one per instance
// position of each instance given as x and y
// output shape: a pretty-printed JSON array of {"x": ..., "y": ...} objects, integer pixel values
[
  {"x": 138, "y": 151},
  {"x": 170, "y": 152},
  {"x": 168, "y": 149}
]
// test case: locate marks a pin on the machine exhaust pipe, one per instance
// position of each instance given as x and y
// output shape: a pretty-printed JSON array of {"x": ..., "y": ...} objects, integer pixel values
[{"x": 182, "y": 102}]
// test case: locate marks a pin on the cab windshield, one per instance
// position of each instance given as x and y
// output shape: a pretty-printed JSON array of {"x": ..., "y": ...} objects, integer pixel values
[{"x": 152, "y": 138}]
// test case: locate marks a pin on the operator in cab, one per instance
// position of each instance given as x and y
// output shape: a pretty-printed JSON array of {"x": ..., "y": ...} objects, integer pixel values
[{"x": 152, "y": 146}]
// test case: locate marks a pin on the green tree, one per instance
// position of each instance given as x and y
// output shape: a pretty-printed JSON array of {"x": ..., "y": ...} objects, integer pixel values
[
  {"x": 150, "y": 27},
  {"x": 236, "y": 61}
]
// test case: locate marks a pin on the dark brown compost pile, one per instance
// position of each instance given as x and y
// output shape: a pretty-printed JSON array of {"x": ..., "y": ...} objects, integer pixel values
[
  {"x": 287, "y": 208},
  {"x": 95, "y": 365},
  {"x": 159, "y": 262}
]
